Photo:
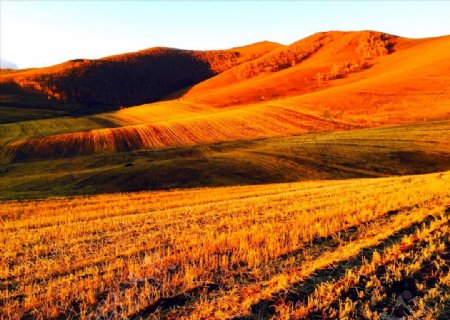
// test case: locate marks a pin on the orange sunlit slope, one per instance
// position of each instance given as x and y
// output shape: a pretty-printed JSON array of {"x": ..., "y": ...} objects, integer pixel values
[{"x": 333, "y": 59}]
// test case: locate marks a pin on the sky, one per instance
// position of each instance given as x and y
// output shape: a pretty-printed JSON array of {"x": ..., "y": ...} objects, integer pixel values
[{"x": 41, "y": 33}]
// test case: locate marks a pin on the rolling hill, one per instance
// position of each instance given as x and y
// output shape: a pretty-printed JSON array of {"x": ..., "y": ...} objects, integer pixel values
[
  {"x": 403, "y": 81},
  {"x": 120, "y": 80}
]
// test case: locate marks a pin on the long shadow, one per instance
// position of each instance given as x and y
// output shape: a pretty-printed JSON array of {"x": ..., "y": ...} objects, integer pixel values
[
  {"x": 427, "y": 275},
  {"x": 174, "y": 301},
  {"x": 265, "y": 309}
]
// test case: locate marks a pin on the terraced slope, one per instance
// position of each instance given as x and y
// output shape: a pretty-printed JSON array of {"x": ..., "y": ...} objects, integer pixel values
[
  {"x": 258, "y": 251},
  {"x": 253, "y": 121}
]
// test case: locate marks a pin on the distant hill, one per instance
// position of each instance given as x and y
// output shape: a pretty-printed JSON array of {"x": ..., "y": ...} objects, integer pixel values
[
  {"x": 4, "y": 64},
  {"x": 122, "y": 80}
]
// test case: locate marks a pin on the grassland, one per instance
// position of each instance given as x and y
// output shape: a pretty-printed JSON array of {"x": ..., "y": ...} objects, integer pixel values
[
  {"x": 377, "y": 152},
  {"x": 193, "y": 125},
  {"x": 284, "y": 250}
]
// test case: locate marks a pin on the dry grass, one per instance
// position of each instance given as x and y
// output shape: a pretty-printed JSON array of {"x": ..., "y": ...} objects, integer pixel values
[
  {"x": 209, "y": 253},
  {"x": 364, "y": 292}
]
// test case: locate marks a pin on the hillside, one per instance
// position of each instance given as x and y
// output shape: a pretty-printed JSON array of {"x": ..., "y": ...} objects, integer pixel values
[
  {"x": 121, "y": 80},
  {"x": 345, "y": 61},
  {"x": 320, "y": 249}
]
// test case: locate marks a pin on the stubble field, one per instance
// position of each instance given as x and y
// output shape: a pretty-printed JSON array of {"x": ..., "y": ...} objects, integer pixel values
[{"x": 308, "y": 249}]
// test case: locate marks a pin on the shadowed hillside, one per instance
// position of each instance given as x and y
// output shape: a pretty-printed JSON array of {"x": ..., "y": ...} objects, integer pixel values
[{"x": 122, "y": 80}]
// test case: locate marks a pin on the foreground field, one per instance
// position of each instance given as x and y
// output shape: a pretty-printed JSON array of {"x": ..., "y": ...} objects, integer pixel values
[{"x": 310, "y": 249}]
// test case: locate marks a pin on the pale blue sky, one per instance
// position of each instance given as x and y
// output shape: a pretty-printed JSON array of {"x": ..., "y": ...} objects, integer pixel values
[{"x": 39, "y": 33}]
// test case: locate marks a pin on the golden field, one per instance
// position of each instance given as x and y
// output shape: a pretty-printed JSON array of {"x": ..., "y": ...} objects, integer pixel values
[{"x": 281, "y": 250}]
